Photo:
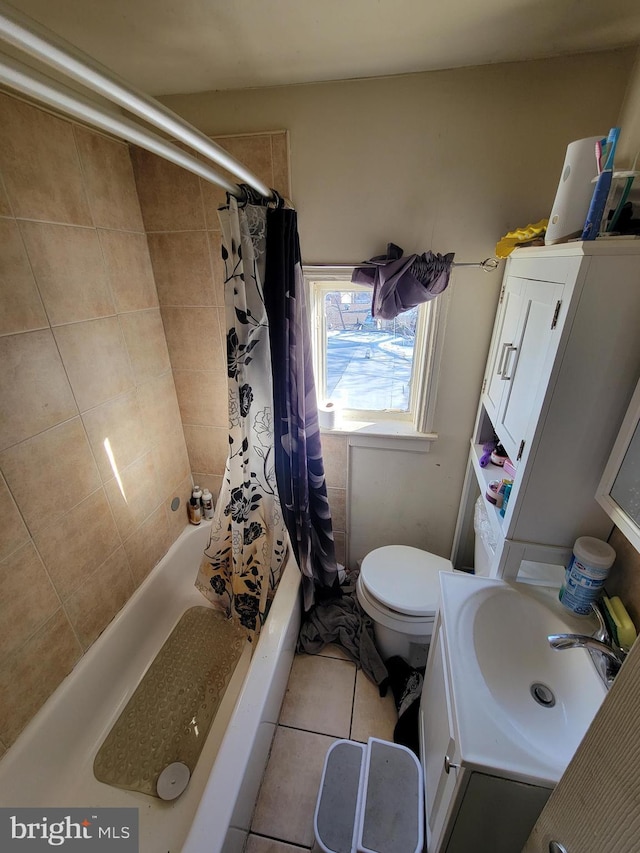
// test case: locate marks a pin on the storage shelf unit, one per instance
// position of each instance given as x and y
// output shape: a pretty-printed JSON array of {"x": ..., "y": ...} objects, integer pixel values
[{"x": 563, "y": 362}]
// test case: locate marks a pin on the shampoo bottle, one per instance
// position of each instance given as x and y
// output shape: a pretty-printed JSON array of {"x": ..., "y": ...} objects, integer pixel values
[
  {"x": 195, "y": 506},
  {"x": 207, "y": 504}
]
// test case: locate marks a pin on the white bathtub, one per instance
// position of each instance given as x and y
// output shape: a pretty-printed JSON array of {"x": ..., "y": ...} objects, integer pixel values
[{"x": 51, "y": 763}]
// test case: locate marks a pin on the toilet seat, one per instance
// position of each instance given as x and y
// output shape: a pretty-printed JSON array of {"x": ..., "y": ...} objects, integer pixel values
[
  {"x": 403, "y": 581},
  {"x": 399, "y": 589},
  {"x": 381, "y": 615}
]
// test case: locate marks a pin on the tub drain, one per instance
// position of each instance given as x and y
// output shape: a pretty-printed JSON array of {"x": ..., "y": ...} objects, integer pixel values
[{"x": 543, "y": 694}]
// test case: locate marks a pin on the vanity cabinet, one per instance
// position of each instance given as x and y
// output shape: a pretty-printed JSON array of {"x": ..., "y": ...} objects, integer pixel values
[
  {"x": 563, "y": 362},
  {"x": 466, "y": 808}
]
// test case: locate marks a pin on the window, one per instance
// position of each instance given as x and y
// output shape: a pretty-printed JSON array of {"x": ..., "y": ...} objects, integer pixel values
[{"x": 373, "y": 369}]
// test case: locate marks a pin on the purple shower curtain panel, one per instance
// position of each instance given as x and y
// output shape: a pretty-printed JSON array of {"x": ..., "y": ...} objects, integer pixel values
[{"x": 298, "y": 452}]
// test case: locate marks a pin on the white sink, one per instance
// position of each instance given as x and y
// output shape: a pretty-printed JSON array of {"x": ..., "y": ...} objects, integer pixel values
[{"x": 499, "y": 657}]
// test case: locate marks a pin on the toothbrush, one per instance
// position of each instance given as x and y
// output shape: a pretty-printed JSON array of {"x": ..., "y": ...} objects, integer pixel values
[{"x": 599, "y": 145}]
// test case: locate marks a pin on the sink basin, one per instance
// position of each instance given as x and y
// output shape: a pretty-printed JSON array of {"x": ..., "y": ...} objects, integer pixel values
[
  {"x": 549, "y": 697},
  {"x": 519, "y": 702}
]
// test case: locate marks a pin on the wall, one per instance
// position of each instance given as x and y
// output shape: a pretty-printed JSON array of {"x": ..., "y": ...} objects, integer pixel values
[
  {"x": 83, "y": 360},
  {"x": 179, "y": 210},
  {"x": 629, "y": 120},
  {"x": 624, "y": 579},
  {"x": 446, "y": 160}
]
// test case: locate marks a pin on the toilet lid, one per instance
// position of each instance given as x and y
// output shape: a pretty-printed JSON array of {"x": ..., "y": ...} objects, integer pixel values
[{"x": 405, "y": 579}]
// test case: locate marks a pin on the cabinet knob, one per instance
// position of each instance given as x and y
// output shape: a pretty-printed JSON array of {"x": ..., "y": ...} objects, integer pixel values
[
  {"x": 556, "y": 847},
  {"x": 448, "y": 764}
]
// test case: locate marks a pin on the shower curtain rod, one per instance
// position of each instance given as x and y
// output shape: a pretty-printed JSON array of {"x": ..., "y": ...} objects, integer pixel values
[
  {"x": 488, "y": 265},
  {"x": 23, "y": 79},
  {"x": 44, "y": 45}
]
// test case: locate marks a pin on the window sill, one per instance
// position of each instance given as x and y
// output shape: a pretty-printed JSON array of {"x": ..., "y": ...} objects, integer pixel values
[{"x": 383, "y": 435}]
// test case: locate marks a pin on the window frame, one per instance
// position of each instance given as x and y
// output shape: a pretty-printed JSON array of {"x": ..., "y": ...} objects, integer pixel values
[{"x": 319, "y": 280}]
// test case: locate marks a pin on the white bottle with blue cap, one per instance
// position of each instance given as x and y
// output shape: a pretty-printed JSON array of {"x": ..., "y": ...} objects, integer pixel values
[{"x": 586, "y": 574}]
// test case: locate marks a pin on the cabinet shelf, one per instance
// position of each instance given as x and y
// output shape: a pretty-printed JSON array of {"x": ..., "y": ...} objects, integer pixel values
[{"x": 484, "y": 476}]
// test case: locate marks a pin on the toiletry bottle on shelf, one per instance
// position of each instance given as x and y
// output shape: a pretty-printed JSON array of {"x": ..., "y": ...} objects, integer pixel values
[
  {"x": 207, "y": 504},
  {"x": 195, "y": 506},
  {"x": 505, "y": 497}
]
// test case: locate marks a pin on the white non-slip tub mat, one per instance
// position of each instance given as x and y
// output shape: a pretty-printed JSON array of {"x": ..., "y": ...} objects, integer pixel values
[{"x": 169, "y": 715}]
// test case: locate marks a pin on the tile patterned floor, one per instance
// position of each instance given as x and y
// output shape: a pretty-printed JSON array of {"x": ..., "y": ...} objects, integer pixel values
[{"x": 326, "y": 698}]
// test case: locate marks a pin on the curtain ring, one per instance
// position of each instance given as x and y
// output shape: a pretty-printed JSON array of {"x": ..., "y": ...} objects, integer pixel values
[
  {"x": 241, "y": 200},
  {"x": 277, "y": 202}
]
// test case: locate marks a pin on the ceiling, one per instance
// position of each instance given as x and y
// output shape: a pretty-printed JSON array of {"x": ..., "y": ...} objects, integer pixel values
[{"x": 175, "y": 46}]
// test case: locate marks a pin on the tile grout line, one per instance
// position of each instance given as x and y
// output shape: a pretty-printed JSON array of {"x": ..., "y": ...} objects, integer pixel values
[
  {"x": 312, "y": 731},
  {"x": 353, "y": 704},
  {"x": 279, "y": 840}
]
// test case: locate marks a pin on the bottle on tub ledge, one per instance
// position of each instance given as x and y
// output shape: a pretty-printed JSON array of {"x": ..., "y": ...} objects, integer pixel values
[
  {"x": 207, "y": 504},
  {"x": 195, "y": 505}
]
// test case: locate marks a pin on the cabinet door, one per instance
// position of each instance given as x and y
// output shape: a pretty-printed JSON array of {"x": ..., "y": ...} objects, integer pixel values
[
  {"x": 527, "y": 362},
  {"x": 438, "y": 743},
  {"x": 507, "y": 326}
]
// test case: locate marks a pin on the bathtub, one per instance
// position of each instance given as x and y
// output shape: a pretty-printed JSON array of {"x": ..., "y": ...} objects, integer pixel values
[{"x": 51, "y": 763}]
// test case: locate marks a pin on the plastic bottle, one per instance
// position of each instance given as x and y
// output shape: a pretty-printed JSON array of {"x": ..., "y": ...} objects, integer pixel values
[
  {"x": 505, "y": 498},
  {"x": 207, "y": 503},
  {"x": 586, "y": 574},
  {"x": 195, "y": 505},
  {"x": 195, "y": 511}
]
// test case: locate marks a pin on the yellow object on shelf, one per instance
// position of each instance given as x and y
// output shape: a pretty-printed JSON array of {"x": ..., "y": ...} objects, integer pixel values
[
  {"x": 625, "y": 628},
  {"x": 519, "y": 237}
]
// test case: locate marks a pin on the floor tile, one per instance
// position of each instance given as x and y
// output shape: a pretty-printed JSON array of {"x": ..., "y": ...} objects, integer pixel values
[
  {"x": 319, "y": 695},
  {"x": 373, "y": 716},
  {"x": 290, "y": 786},
  {"x": 259, "y": 844},
  {"x": 333, "y": 650}
]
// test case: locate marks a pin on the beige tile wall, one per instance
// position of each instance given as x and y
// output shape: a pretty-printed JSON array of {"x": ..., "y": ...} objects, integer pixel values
[
  {"x": 86, "y": 390},
  {"x": 180, "y": 216}
]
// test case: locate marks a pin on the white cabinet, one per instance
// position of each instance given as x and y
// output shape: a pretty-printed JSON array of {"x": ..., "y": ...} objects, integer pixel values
[
  {"x": 466, "y": 809},
  {"x": 439, "y": 753},
  {"x": 520, "y": 358},
  {"x": 563, "y": 363}
]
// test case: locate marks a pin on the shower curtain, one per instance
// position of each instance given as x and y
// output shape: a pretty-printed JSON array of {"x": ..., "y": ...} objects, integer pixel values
[
  {"x": 247, "y": 543},
  {"x": 299, "y": 463},
  {"x": 274, "y": 440}
]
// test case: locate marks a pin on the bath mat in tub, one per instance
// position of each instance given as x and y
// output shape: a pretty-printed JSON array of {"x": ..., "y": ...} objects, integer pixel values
[{"x": 169, "y": 714}]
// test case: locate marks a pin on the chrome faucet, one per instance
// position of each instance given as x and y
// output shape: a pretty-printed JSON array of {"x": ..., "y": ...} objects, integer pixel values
[
  {"x": 608, "y": 657},
  {"x": 579, "y": 641}
]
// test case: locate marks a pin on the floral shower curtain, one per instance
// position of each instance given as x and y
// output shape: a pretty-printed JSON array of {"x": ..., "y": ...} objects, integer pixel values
[{"x": 247, "y": 545}]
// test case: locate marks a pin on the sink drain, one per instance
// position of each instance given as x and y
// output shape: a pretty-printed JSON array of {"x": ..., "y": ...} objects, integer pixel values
[{"x": 543, "y": 694}]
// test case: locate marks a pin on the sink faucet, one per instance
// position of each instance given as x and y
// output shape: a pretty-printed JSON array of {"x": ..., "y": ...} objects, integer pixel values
[
  {"x": 579, "y": 641},
  {"x": 609, "y": 656}
]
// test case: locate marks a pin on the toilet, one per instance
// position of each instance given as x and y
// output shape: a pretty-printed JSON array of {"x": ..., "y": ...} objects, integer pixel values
[{"x": 399, "y": 589}]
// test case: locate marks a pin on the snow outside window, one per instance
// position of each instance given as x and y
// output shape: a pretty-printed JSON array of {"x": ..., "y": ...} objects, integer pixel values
[{"x": 371, "y": 368}]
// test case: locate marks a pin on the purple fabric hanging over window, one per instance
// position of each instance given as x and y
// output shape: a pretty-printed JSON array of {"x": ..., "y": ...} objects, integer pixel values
[{"x": 400, "y": 283}]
